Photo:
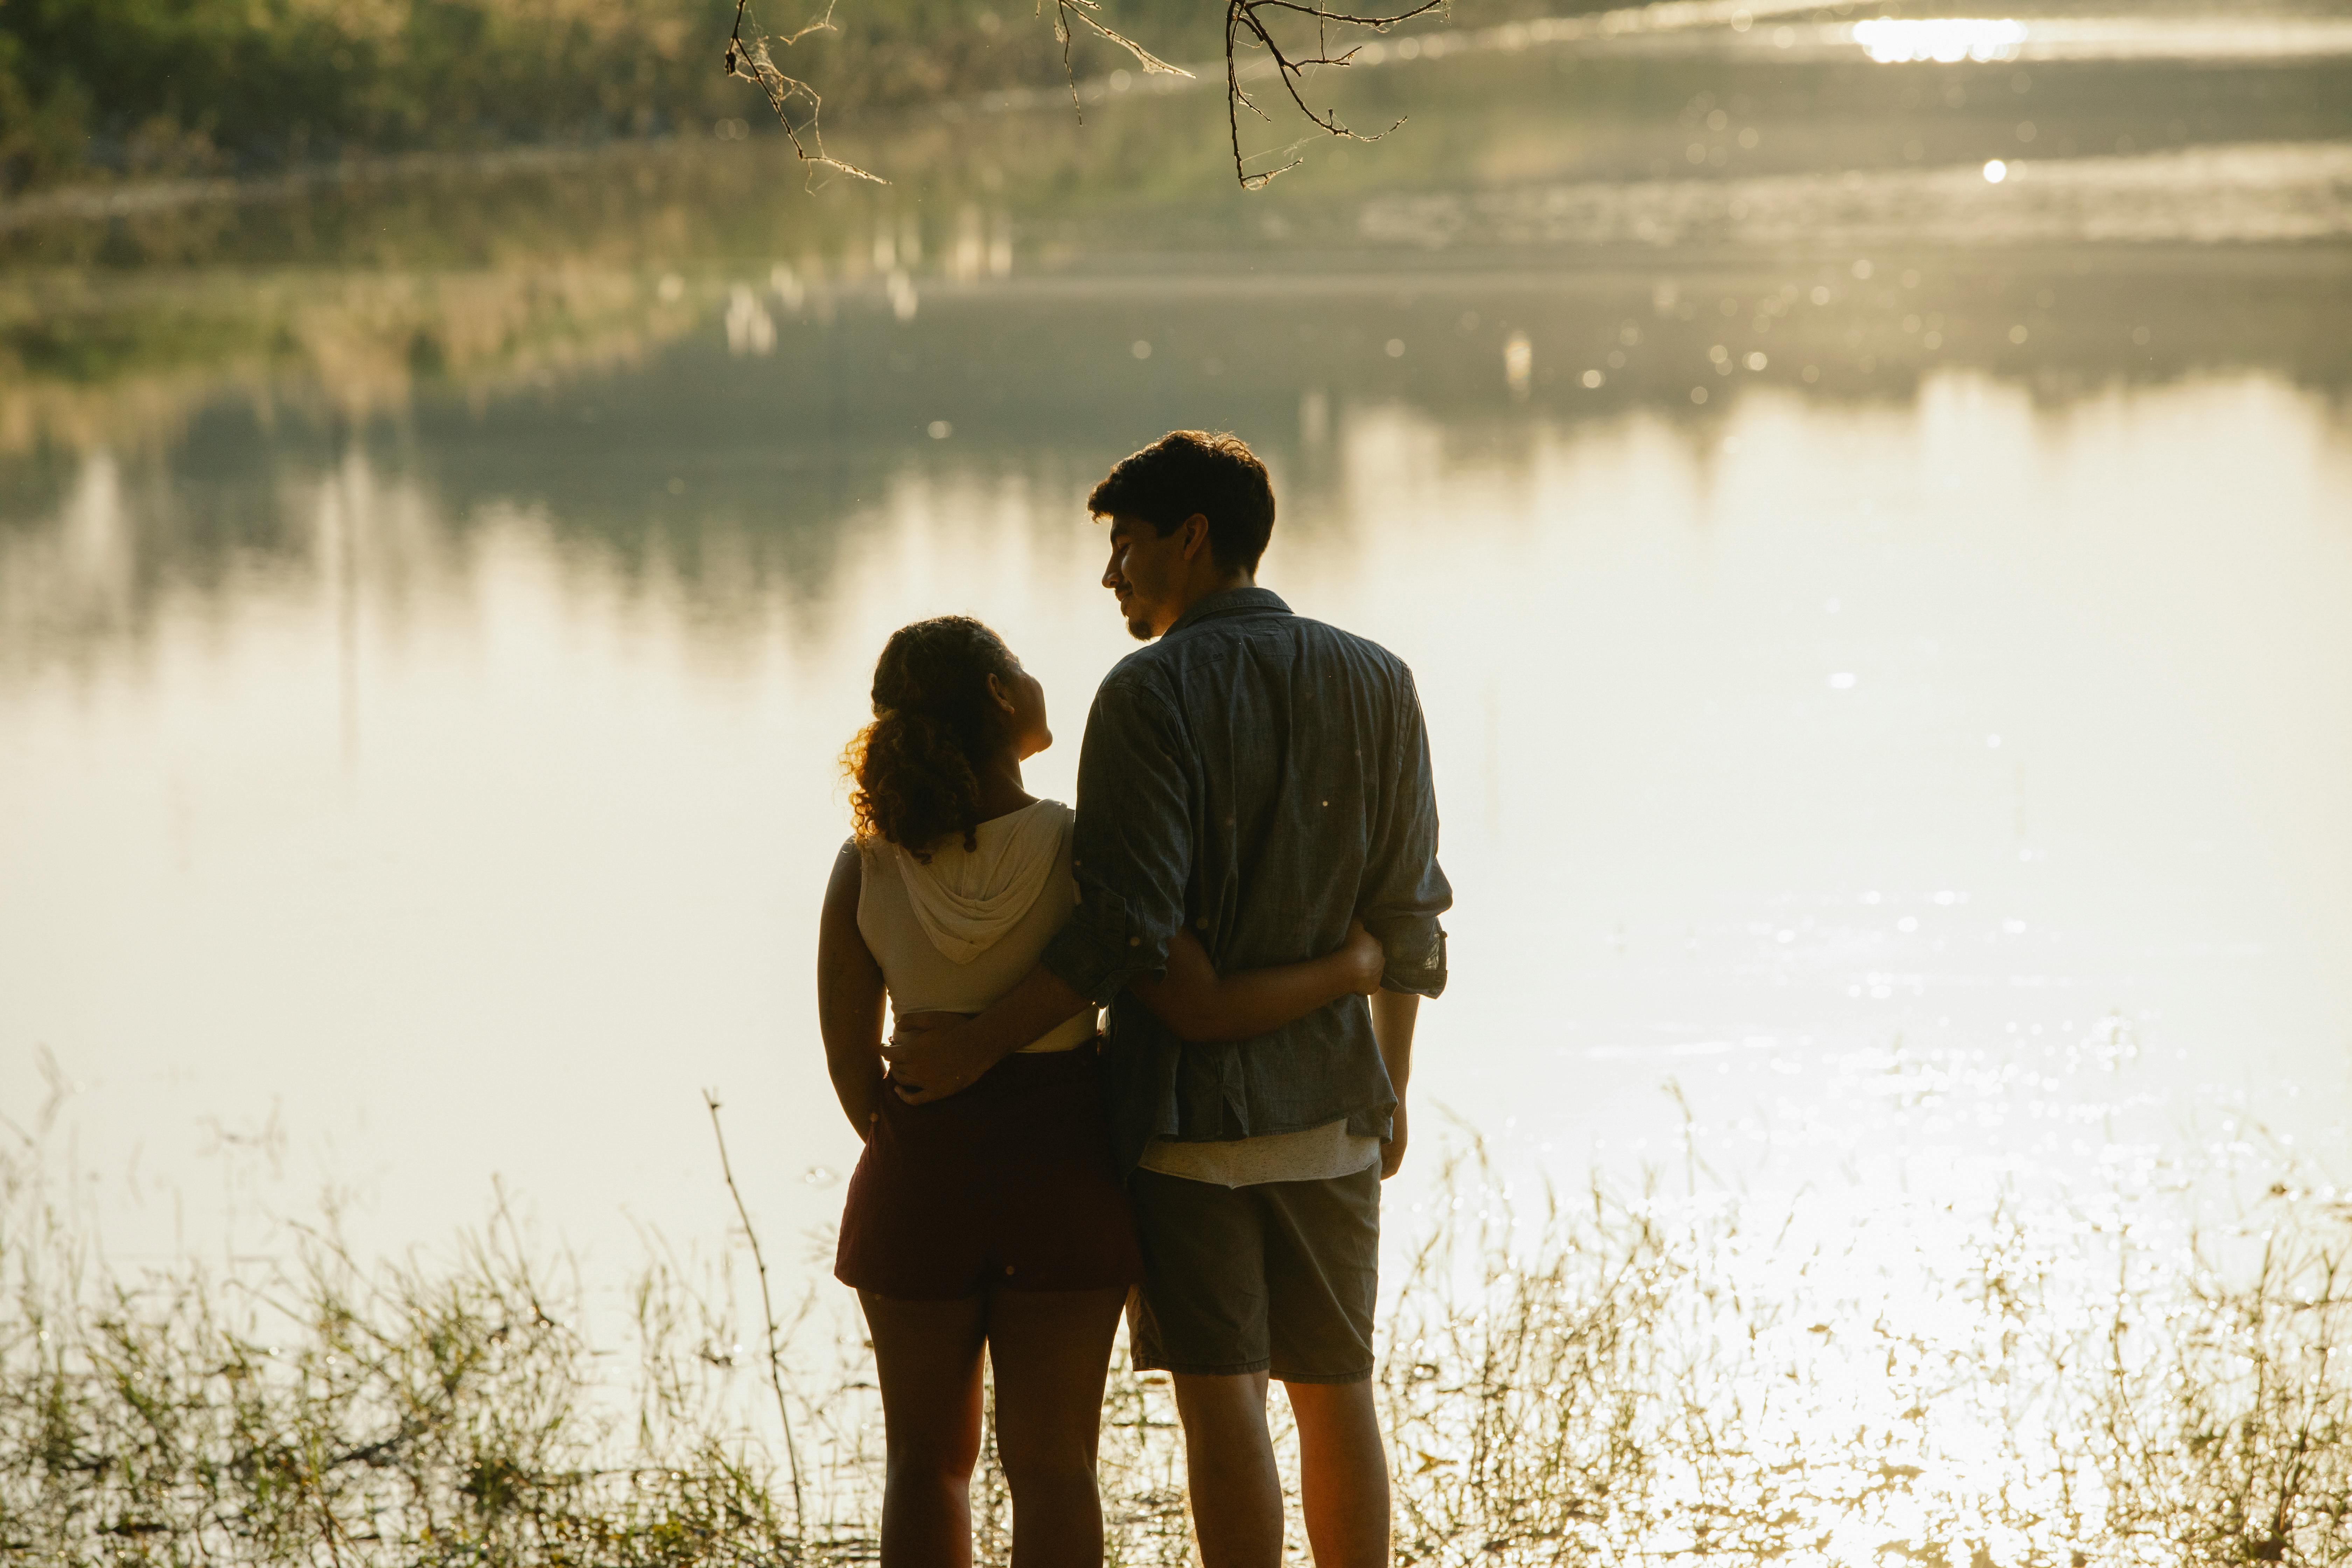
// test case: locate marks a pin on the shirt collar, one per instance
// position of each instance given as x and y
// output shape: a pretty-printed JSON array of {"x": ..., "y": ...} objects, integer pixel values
[{"x": 1252, "y": 601}]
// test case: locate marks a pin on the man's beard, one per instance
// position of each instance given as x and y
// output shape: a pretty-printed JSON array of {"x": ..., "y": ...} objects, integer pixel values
[{"x": 1139, "y": 628}]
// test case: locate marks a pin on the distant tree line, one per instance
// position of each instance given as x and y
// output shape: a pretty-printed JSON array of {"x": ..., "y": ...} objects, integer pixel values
[{"x": 112, "y": 88}]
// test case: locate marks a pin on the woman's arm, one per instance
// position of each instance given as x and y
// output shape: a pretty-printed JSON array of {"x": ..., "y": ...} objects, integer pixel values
[
  {"x": 849, "y": 996},
  {"x": 1196, "y": 1001}
]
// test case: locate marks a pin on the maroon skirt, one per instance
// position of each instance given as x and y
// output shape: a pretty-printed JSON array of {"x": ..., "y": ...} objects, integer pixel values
[{"x": 1007, "y": 1186}]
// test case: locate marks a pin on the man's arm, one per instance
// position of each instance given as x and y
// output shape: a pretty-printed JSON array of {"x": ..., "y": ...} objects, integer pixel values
[
  {"x": 1197, "y": 1003},
  {"x": 1131, "y": 849},
  {"x": 1393, "y": 1016},
  {"x": 849, "y": 993},
  {"x": 933, "y": 1056},
  {"x": 928, "y": 1064},
  {"x": 1404, "y": 890},
  {"x": 1404, "y": 893}
]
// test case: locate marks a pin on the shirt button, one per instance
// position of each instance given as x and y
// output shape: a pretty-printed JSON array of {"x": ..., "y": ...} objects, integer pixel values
[
  {"x": 1135, "y": 941},
  {"x": 1008, "y": 1269}
]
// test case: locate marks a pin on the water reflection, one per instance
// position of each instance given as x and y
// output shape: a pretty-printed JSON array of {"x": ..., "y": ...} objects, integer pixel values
[
  {"x": 744, "y": 472},
  {"x": 1547, "y": 147},
  {"x": 467, "y": 787},
  {"x": 1882, "y": 627}
]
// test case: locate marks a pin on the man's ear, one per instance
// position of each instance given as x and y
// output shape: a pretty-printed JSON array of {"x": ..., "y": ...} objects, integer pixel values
[{"x": 1196, "y": 540}]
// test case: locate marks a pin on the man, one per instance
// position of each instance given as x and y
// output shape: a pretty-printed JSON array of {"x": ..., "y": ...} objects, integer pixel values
[{"x": 1264, "y": 779}]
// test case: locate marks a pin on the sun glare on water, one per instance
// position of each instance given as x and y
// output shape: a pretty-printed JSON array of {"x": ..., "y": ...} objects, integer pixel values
[{"x": 1945, "y": 39}]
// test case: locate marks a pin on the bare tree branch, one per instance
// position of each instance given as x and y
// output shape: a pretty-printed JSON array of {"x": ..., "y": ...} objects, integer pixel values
[
  {"x": 751, "y": 62},
  {"x": 1087, "y": 12},
  {"x": 1248, "y": 24},
  {"x": 1247, "y": 21}
]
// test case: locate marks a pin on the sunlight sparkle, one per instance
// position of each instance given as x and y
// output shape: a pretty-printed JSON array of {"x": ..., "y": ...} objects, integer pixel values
[{"x": 1945, "y": 39}]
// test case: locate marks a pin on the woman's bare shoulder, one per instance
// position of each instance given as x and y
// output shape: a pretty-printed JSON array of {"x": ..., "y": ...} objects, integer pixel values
[{"x": 851, "y": 863}]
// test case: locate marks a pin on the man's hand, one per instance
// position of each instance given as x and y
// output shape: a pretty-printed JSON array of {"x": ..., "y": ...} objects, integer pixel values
[
  {"x": 933, "y": 1055},
  {"x": 1392, "y": 1151}
]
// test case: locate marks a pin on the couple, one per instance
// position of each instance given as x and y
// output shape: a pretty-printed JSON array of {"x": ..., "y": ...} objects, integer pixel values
[{"x": 1255, "y": 849}]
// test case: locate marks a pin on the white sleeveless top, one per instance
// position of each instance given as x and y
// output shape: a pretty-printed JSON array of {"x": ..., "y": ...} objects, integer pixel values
[{"x": 954, "y": 935}]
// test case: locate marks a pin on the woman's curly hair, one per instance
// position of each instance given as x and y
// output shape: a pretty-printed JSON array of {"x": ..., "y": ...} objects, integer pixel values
[{"x": 914, "y": 771}]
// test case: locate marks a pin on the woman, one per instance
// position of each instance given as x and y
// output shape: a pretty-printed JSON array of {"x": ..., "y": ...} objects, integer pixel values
[{"x": 990, "y": 1220}]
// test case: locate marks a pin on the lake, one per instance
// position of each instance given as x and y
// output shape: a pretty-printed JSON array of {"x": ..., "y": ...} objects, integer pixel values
[{"x": 1873, "y": 532}]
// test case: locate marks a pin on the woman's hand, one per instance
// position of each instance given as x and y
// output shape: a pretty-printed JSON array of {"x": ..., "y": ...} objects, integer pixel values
[{"x": 1365, "y": 958}]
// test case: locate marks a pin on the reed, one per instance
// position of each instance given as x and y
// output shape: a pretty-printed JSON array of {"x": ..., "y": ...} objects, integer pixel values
[
  {"x": 1830, "y": 1383},
  {"x": 1632, "y": 1378}
]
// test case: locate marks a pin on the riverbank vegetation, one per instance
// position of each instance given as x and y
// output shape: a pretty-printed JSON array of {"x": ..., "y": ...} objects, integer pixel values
[
  {"x": 132, "y": 89},
  {"x": 115, "y": 90},
  {"x": 1625, "y": 1379}
]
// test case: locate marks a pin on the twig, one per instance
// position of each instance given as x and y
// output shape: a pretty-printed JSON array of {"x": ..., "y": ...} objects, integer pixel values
[
  {"x": 767, "y": 1312},
  {"x": 1086, "y": 13},
  {"x": 796, "y": 104},
  {"x": 1245, "y": 21},
  {"x": 750, "y": 61}
]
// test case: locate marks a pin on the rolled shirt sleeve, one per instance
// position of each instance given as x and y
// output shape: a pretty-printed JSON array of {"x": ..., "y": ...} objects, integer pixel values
[
  {"x": 1405, "y": 890},
  {"x": 1133, "y": 845}
]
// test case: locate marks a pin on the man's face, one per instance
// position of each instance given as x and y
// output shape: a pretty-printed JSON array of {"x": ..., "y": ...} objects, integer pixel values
[{"x": 1147, "y": 574}]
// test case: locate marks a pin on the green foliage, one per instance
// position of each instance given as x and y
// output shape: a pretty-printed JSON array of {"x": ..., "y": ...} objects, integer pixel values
[
  {"x": 159, "y": 88},
  {"x": 170, "y": 85}
]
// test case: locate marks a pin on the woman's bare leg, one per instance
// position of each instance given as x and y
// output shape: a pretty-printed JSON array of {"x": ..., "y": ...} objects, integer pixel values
[
  {"x": 927, "y": 1358},
  {"x": 1050, "y": 1350}
]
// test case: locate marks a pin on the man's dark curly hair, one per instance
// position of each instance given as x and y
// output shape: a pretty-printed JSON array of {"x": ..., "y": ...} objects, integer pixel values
[
  {"x": 1213, "y": 473},
  {"x": 915, "y": 770}
]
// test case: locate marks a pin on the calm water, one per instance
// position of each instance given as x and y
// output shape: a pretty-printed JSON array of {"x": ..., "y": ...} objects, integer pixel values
[{"x": 1885, "y": 629}]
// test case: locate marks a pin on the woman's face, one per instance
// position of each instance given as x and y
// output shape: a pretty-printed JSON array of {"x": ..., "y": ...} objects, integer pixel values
[{"x": 1022, "y": 697}]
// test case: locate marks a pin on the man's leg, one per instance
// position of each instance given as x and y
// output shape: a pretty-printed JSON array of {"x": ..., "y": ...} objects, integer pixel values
[
  {"x": 1200, "y": 1317},
  {"x": 1343, "y": 1473},
  {"x": 1322, "y": 1268},
  {"x": 1229, "y": 1467}
]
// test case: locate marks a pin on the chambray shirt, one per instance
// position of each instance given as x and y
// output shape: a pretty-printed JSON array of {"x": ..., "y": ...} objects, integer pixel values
[{"x": 1263, "y": 778}]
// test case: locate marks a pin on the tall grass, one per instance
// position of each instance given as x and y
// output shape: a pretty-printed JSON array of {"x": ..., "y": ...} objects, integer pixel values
[
  {"x": 1631, "y": 1379},
  {"x": 1838, "y": 1383},
  {"x": 329, "y": 1413}
]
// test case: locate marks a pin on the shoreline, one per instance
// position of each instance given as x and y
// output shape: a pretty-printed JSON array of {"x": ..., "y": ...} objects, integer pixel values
[{"x": 1680, "y": 25}]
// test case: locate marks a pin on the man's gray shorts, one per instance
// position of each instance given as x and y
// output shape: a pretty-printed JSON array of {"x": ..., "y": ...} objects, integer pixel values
[{"x": 1277, "y": 1278}]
